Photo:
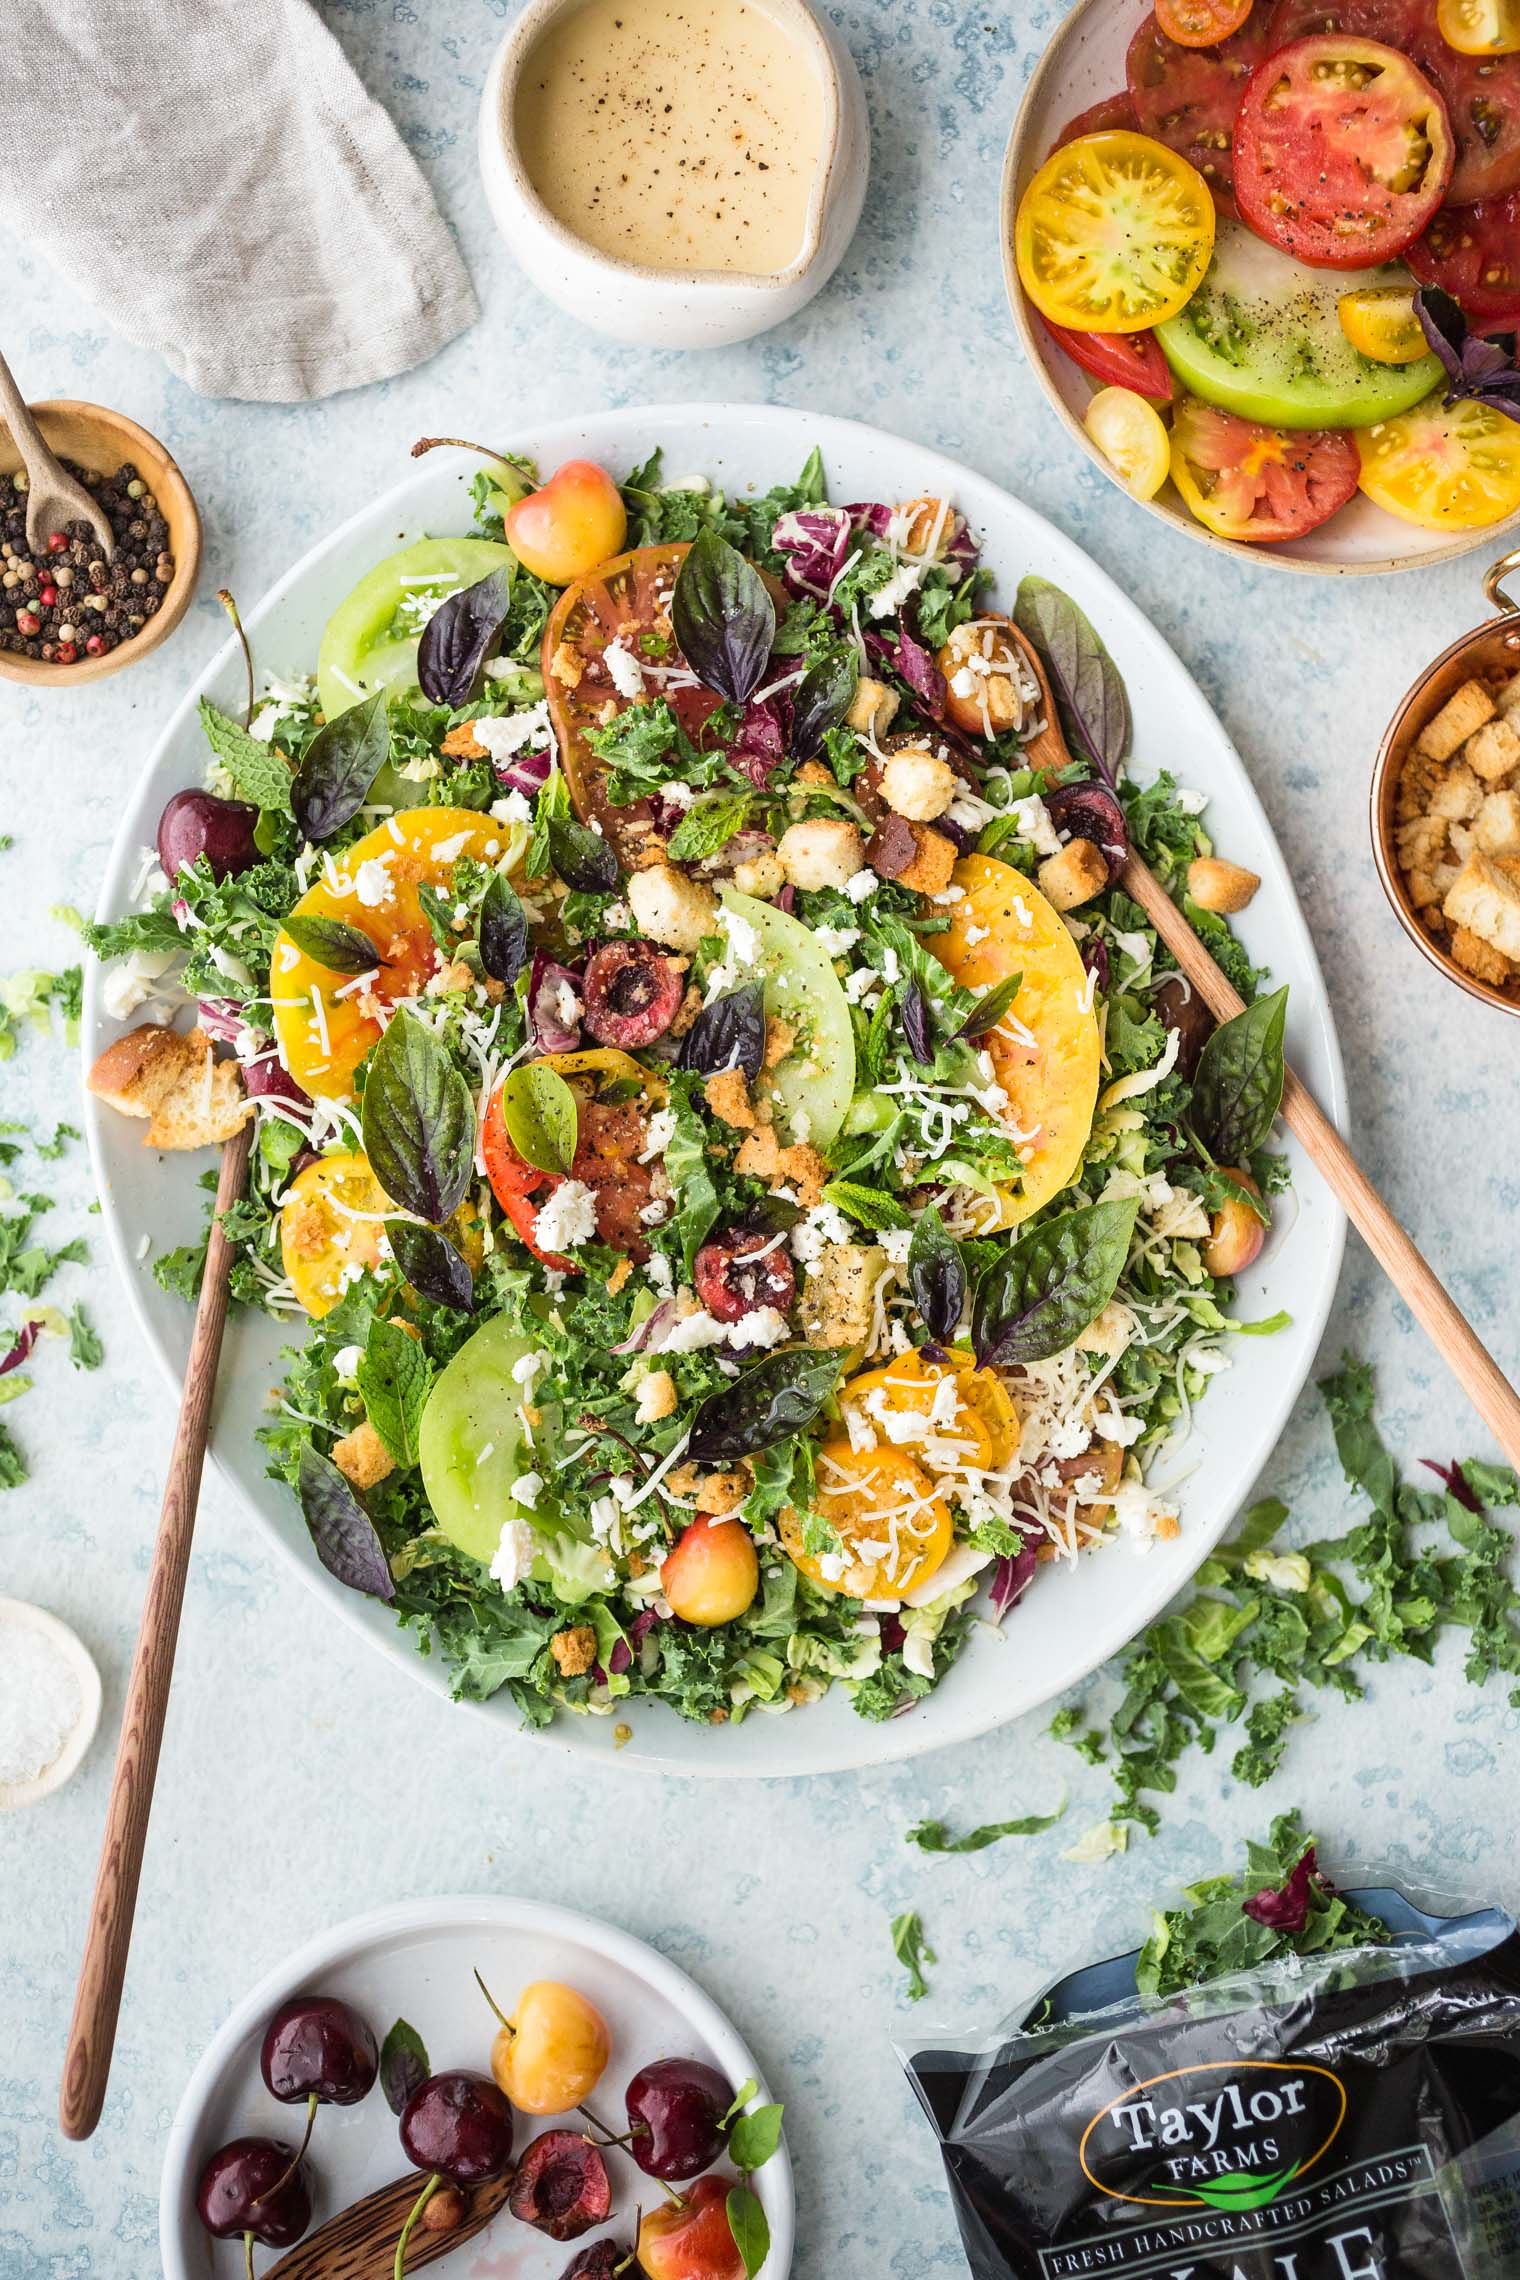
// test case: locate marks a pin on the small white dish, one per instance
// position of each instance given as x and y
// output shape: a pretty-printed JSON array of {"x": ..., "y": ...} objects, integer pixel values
[
  {"x": 666, "y": 308},
  {"x": 415, "y": 1961},
  {"x": 72, "y": 1650}
]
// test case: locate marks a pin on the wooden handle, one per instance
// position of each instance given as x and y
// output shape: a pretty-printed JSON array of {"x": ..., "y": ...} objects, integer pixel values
[
  {"x": 1428, "y": 1300},
  {"x": 360, "y": 2242},
  {"x": 92, "y": 2031}
]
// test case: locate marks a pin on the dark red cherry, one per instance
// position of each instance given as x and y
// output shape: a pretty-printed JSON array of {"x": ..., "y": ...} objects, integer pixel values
[
  {"x": 632, "y": 994},
  {"x": 458, "y": 2126},
  {"x": 561, "y": 2186},
  {"x": 250, "y": 2186},
  {"x": 732, "y": 1278},
  {"x": 198, "y": 823},
  {"x": 675, "y": 2117},
  {"x": 603, "y": 2260},
  {"x": 318, "y": 2047}
]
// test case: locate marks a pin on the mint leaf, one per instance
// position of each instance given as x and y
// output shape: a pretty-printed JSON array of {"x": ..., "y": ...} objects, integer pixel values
[
  {"x": 394, "y": 1378},
  {"x": 257, "y": 770}
]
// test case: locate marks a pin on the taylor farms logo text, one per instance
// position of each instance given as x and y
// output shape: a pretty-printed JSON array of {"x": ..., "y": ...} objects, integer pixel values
[{"x": 1228, "y": 2136}]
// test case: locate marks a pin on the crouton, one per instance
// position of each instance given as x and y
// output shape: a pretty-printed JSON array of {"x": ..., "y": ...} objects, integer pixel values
[
  {"x": 618, "y": 1278},
  {"x": 917, "y": 784},
  {"x": 654, "y": 1398},
  {"x": 780, "y": 1037},
  {"x": 1421, "y": 842},
  {"x": 912, "y": 854},
  {"x": 462, "y": 743},
  {"x": 806, "y": 1171},
  {"x": 574, "y": 1651},
  {"x": 722, "y": 1492},
  {"x": 456, "y": 975},
  {"x": 822, "y": 853},
  {"x": 873, "y": 708},
  {"x": 1496, "y": 828},
  {"x": 1417, "y": 780},
  {"x": 813, "y": 776},
  {"x": 686, "y": 1015},
  {"x": 762, "y": 1157},
  {"x": 1217, "y": 885},
  {"x": 839, "y": 1297},
  {"x": 565, "y": 666},
  {"x": 1475, "y": 957},
  {"x": 1494, "y": 752},
  {"x": 1456, "y": 721},
  {"x": 727, "y": 1095},
  {"x": 190, "y": 1099},
  {"x": 363, "y": 1458},
  {"x": 762, "y": 877},
  {"x": 672, "y": 909},
  {"x": 1485, "y": 898},
  {"x": 1457, "y": 795},
  {"x": 1423, "y": 891},
  {"x": 1074, "y": 876}
]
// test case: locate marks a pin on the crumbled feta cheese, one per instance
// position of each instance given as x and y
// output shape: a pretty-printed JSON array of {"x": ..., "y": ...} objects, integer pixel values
[
  {"x": 864, "y": 884},
  {"x": 1032, "y": 822},
  {"x": 529, "y": 1368},
  {"x": 657, "y": 1272},
  {"x": 449, "y": 850},
  {"x": 823, "y": 1225},
  {"x": 903, "y": 582},
  {"x": 691, "y": 1333},
  {"x": 895, "y": 1241},
  {"x": 834, "y": 941},
  {"x": 567, "y": 1006},
  {"x": 1069, "y": 1437},
  {"x": 504, "y": 739},
  {"x": 659, "y": 1132},
  {"x": 373, "y": 883},
  {"x": 567, "y": 1219},
  {"x": 513, "y": 1556},
  {"x": 527, "y": 1488},
  {"x": 130, "y": 983},
  {"x": 513, "y": 807},
  {"x": 623, "y": 669},
  {"x": 762, "y": 1326},
  {"x": 346, "y": 1363},
  {"x": 1139, "y": 1512}
]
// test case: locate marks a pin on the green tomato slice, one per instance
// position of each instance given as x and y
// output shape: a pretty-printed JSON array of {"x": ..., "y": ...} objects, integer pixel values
[
  {"x": 470, "y": 1443},
  {"x": 1262, "y": 336},
  {"x": 816, "y": 1081},
  {"x": 369, "y": 642}
]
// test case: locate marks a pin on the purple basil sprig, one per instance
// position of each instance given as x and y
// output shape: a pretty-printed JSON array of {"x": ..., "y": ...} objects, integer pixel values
[{"x": 1476, "y": 365}]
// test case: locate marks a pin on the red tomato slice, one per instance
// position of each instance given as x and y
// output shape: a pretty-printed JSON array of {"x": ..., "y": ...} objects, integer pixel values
[
  {"x": 1115, "y": 113},
  {"x": 1481, "y": 93},
  {"x": 1473, "y": 253},
  {"x": 1187, "y": 97},
  {"x": 522, "y": 1210},
  {"x": 1120, "y": 360},
  {"x": 612, "y": 1133},
  {"x": 1342, "y": 151},
  {"x": 1246, "y": 481},
  {"x": 1201, "y": 23}
]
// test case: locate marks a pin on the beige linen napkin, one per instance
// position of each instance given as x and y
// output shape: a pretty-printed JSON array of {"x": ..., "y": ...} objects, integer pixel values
[{"x": 212, "y": 174}]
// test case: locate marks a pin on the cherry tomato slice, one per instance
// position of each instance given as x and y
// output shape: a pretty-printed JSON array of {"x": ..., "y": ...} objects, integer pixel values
[
  {"x": 1188, "y": 97},
  {"x": 1473, "y": 253},
  {"x": 1481, "y": 93},
  {"x": 1246, "y": 481},
  {"x": 1201, "y": 23},
  {"x": 1119, "y": 360},
  {"x": 1343, "y": 151},
  {"x": 1480, "y": 27}
]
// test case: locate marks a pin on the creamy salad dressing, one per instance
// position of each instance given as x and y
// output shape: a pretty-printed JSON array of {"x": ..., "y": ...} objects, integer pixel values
[{"x": 675, "y": 134}]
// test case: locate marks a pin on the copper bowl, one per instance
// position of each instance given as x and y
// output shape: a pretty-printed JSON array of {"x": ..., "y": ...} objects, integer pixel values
[{"x": 1491, "y": 652}]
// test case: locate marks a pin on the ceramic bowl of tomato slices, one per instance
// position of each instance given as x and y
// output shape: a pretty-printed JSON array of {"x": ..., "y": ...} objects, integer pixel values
[{"x": 1265, "y": 257}]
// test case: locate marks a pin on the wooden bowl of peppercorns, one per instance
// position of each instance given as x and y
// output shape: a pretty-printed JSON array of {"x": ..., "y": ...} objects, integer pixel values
[{"x": 67, "y": 616}]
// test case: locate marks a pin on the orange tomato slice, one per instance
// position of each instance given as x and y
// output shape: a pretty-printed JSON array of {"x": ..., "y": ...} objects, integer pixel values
[
  {"x": 980, "y": 1424},
  {"x": 330, "y": 1226},
  {"x": 894, "y": 1530}
]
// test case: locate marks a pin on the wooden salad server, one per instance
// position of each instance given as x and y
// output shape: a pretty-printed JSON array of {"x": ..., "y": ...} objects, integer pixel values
[
  {"x": 53, "y": 498},
  {"x": 1428, "y": 1300},
  {"x": 92, "y": 2031},
  {"x": 360, "y": 2242}
]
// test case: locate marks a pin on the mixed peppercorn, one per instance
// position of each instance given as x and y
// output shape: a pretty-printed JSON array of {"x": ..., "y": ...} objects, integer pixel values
[{"x": 65, "y": 602}]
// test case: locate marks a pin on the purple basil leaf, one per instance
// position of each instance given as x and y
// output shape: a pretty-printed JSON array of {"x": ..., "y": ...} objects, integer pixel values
[
  {"x": 431, "y": 1264},
  {"x": 1095, "y": 961},
  {"x": 936, "y": 1277},
  {"x": 823, "y": 698},
  {"x": 459, "y": 639},
  {"x": 1477, "y": 366},
  {"x": 342, "y": 1531},
  {"x": 339, "y": 766},
  {"x": 582, "y": 857},
  {"x": 728, "y": 1034},
  {"x": 723, "y": 617},
  {"x": 1090, "y": 811},
  {"x": 502, "y": 930},
  {"x": 989, "y": 1009},
  {"x": 913, "y": 1008},
  {"x": 1087, "y": 684}
]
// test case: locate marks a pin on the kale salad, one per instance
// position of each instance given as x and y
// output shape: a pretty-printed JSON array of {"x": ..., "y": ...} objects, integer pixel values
[{"x": 747, "y": 1186}]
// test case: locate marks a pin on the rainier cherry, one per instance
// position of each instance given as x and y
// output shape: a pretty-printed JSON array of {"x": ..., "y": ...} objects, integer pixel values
[
  {"x": 551, "y": 2052},
  {"x": 691, "y": 2239},
  {"x": 576, "y": 521}
]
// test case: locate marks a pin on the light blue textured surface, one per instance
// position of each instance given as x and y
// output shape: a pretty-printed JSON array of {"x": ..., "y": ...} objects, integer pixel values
[{"x": 301, "y": 1779}]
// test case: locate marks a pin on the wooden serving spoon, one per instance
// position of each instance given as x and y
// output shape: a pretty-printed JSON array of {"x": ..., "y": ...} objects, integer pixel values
[
  {"x": 92, "y": 2031},
  {"x": 1431, "y": 1304},
  {"x": 360, "y": 2242},
  {"x": 53, "y": 498}
]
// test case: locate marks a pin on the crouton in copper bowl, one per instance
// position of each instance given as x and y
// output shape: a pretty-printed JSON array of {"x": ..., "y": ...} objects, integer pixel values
[{"x": 1446, "y": 805}]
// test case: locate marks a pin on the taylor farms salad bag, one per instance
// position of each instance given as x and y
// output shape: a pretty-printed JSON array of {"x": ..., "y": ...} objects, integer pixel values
[{"x": 1287, "y": 2083}]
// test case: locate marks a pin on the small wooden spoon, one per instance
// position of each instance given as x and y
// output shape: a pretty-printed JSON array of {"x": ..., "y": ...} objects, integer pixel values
[
  {"x": 1432, "y": 1306},
  {"x": 92, "y": 2031},
  {"x": 53, "y": 499},
  {"x": 360, "y": 2242}
]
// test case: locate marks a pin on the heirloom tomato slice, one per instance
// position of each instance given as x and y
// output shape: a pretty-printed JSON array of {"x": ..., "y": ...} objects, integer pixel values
[{"x": 1244, "y": 480}]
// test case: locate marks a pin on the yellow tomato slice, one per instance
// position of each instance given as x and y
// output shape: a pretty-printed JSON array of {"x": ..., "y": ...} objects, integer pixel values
[
  {"x": 329, "y": 1224},
  {"x": 1045, "y": 1051},
  {"x": 1379, "y": 321},
  {"x": 1114, "y": 233},
  {"x": 881, "y": 1504},
  {"x": 323, "y": 1024},
  {"x": 979, "y": 1428},
  {"x": 1132, "y": 437},
  {"x": 1444, "y": 466},
  {"x": 1480, "y": 27}
]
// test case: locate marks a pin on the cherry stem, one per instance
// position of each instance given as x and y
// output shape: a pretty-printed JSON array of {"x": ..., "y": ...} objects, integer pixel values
[
  {"x": 248, "y": 2254},
  {"x": 230, "y": 606},
  {"x": 455, "y": 443},
  {"x": 417, "y": 2207},
  {"x": 609, "y": 2137},
  {"x": 311, "y": 2115},
  {"x": 507, "y": 2026}
]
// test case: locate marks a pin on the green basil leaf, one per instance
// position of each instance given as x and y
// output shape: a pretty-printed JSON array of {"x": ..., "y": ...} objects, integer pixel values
[
  {"x": 418, "y": 1121},
  {"x": 754, "y": 2138},
  {"x": 937, "y": 1276},
  {"x": 339, "y": 766},
  {"x": 750, "y": 2227},
  {"x": 462, "y": 634},
  {"x": 542, "y": 1117},
  {"x": 340, "y": 1528},
  {"x": 1038, "y": 1295},
  {"x": 582, "y": 857},
  {"x": 394, "y": 1378},
  {"x": 690, "y": 1180},
  {"x": 502, "y": 930},
  {"x": 723, "y": 617},
  {"x": 867, "y": 1206},
  {"x": 1238, "y": 1087},
  {"x": 431, "y": 1264},
  {"x": 934, "y": 1837},
  {"x": 1089, "y": 688},
  {"x": 404, "y": 2065},
  {"x": 329, "y": 942},
  {"x": 766, "y": 1403},
  {"x": 989, "y": 1009},
  {"x": 824, "y": 695},
  {"x": 258, "y": 773},
  {"x": 703, "y": 830}
]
